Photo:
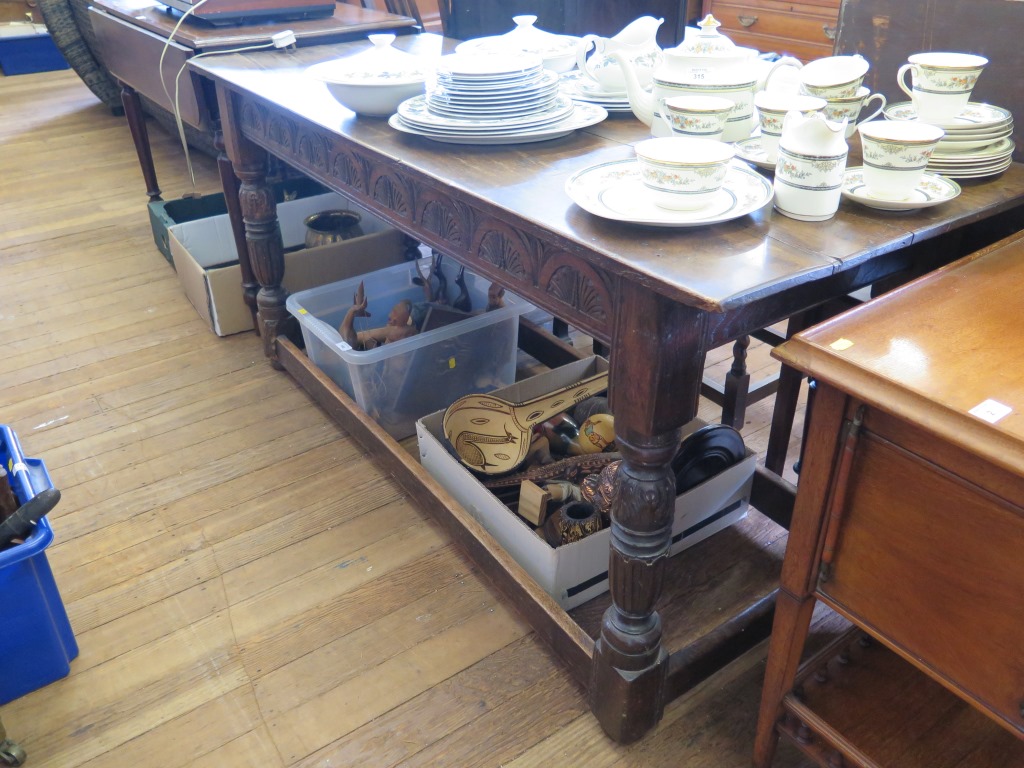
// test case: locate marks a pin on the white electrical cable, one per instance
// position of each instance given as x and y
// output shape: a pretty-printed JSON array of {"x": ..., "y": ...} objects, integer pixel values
[
  {"x": 175, "y": 105},
  {"x": 177, "y": 93}
]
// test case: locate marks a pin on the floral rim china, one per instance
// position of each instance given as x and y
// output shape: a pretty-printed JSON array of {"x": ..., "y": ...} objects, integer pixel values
[
  {"x": 614, "y": 191},
  {"x": 973, "y": 117},
  {"x": 750, "y": 150},
  {"x": 931, "y": 190},
  {"x": 582, "y": 116}
]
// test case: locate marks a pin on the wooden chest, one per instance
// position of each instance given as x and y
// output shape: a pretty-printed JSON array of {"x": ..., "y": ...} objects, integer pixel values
[{"x": 803, "y": 29}]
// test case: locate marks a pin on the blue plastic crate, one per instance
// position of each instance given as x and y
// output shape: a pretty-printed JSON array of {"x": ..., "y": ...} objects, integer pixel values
[
  {"x": 36, "y": 643},
  {"x": 25, "y": 54}
]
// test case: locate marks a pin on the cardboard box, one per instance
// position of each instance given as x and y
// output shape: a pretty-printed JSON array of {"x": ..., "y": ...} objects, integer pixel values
[
  {"x": 205, "y": 259},
  {"x": 164, "y": 214},
  {"x": 575, "y": 573}
]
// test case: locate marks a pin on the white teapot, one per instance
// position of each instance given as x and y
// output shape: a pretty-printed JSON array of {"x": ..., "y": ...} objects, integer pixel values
[
  {"x": 810, "y": 168},
  {"x": 675, "y": 76},
  {"x": 636, "y": 43}
]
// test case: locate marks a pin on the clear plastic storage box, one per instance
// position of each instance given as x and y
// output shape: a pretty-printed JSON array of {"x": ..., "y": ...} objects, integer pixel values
[{"x": 401, "y": 381}]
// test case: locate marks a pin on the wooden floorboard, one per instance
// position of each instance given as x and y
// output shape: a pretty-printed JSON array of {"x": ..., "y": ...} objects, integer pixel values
[{"x": 247, "y": 586}]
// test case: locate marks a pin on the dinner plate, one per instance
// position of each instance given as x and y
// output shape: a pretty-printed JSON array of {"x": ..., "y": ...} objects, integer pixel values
[
  {"x": 999, "y": 150},
  {"x": 614, "y": 191},
  {"x": 415, "y": 111},
  {"x": 750, "y": 150},
  {"x": 974, "y": 116},
  {"x": 583, "y": 116},
  {"x": 977, "y": 173},
  {"x": 931, "y": 190}
]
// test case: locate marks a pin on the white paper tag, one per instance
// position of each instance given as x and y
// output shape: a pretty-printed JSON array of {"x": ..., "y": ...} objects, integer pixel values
[{"x": 990, "y": 411}]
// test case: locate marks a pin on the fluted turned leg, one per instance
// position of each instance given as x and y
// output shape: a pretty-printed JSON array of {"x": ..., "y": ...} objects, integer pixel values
[
  {"x": 230, "y": 184},
  {"x": 630, "y": 662},
  {"x": 657, "y": 363}
]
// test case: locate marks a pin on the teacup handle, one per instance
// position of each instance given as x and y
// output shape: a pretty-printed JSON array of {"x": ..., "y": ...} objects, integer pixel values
[
  {"x": 881, "y": 105},
  {"x": 901, "y": 79},
  {"x": 785, "y": 61},
  {"x": 663, "y": 114},
  {"x": 583, "y": 47}
]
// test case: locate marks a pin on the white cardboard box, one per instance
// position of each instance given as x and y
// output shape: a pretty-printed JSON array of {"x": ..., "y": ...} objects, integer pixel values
[
  {"x": 207, "y": 263},
  {"x": 575, "y": 573}
]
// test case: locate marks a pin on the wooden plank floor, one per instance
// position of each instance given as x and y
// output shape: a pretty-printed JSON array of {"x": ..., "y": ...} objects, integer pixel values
[{"x": 246, "y": 587}]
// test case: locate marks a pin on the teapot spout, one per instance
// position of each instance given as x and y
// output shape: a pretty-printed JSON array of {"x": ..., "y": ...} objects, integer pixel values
[{"x": 641, "y": 101}]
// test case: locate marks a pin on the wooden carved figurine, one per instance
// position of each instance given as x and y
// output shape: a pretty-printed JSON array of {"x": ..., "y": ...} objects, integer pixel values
[{"x": 399, "y": 324}]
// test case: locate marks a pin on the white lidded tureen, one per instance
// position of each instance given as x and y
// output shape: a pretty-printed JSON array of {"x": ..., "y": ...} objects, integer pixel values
[
  {"x": 558, "y": 52},
  {"x": 375, "y": 81}
]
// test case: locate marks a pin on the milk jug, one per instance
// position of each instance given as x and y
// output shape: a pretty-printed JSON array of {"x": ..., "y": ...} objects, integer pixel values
[{"x": 810, "y": 168}]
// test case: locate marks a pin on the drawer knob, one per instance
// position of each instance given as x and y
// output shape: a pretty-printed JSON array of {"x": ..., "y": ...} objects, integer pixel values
[
  {"x": 747, "y": 21},
  {"x": 830, "y": 32}
]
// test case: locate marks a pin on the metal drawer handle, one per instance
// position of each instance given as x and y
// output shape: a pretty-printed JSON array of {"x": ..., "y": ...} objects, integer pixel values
[
  {"x": 747, "y": 21},
  {"x": 830, "y": 32}
]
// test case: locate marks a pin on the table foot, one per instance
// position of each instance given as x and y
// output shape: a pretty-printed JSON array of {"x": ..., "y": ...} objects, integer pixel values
[{"x": 627, "y": 703}]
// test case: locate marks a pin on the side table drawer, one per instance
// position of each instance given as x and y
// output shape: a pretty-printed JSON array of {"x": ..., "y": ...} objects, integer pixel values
[
  {"x": 801, "y": 30},
  {"x": 937, "y": 562}
]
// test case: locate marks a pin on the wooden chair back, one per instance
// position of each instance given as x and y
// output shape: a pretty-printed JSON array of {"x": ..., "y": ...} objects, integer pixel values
[{"x": 885, "y": 32}]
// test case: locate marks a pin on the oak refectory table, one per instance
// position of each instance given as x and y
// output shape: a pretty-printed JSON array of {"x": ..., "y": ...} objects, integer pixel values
[{"x": 661, "y": 298}]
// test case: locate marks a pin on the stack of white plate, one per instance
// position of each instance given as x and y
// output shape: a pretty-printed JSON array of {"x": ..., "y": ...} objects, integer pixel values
[
  {"x": 978, "y": 141},
  {"x": 493, "y": 99},
  {"x": 581, "y": 88}
]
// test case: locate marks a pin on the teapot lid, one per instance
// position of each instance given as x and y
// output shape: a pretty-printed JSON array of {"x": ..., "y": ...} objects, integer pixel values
[
  {"x": 708, "y": 41},
  {"x": 381, "y": 64}
]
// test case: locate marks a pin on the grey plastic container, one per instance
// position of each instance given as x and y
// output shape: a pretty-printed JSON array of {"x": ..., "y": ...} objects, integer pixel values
[{"x": 399, "y": 382}]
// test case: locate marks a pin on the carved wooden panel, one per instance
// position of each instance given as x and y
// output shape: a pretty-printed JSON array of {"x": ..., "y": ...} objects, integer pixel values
[
  {"x": 496, "y": 248},
  {"x": 578, "y": 287}
]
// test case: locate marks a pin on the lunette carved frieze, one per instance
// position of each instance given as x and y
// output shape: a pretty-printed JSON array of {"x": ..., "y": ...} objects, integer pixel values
[
  {"x": 571, "y": 284},
  {"x": 575, "y": 284}
]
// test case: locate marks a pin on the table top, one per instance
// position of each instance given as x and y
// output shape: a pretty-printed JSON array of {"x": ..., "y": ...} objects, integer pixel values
[
  {"x": 347, "y": 22},
  {"x": 714, "y": 268},
  {"x": 935, "y": 350}
]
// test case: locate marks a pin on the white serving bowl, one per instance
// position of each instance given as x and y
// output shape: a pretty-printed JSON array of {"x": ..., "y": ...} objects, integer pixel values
[{"x": 375, "y": 81}]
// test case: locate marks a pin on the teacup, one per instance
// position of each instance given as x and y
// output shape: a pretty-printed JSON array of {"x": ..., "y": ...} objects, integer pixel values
[
  {"x": 896, "y": 155},
  {"x": 683, "y": 173},
  {"x": 942, "y": 83},
  {"x": 851, "y": 108},
  {"x": 702, "y": 117},
  {"x": 772, "y": 107},
  {"x": 834, "y": 77}
]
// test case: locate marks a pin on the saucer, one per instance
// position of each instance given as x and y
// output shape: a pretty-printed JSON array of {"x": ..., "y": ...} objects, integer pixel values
[
  {"x": 750, "y": 150},
  {"x": 931, "y": 190},
  {"x": 973, "y": 117},
  {"x": 614, "y": 191}
]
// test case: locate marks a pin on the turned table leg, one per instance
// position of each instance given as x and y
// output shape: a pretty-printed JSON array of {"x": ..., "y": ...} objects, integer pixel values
[
  {"x": 657, "y": 365},
  {"x": 140, "y": 136},
  {"x": 231, "y": 186}
]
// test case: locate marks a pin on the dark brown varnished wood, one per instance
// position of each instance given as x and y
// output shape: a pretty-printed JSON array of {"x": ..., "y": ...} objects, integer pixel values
[
  {"x": 140, "y": 137},
  {"x": 887, "y": 31},
  {"x": 660, "y": 298}
]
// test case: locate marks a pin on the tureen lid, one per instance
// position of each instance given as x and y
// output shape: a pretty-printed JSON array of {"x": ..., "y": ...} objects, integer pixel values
[
  {"x": 525, "y": 37},
  {"x": 379, "y": 65}
]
